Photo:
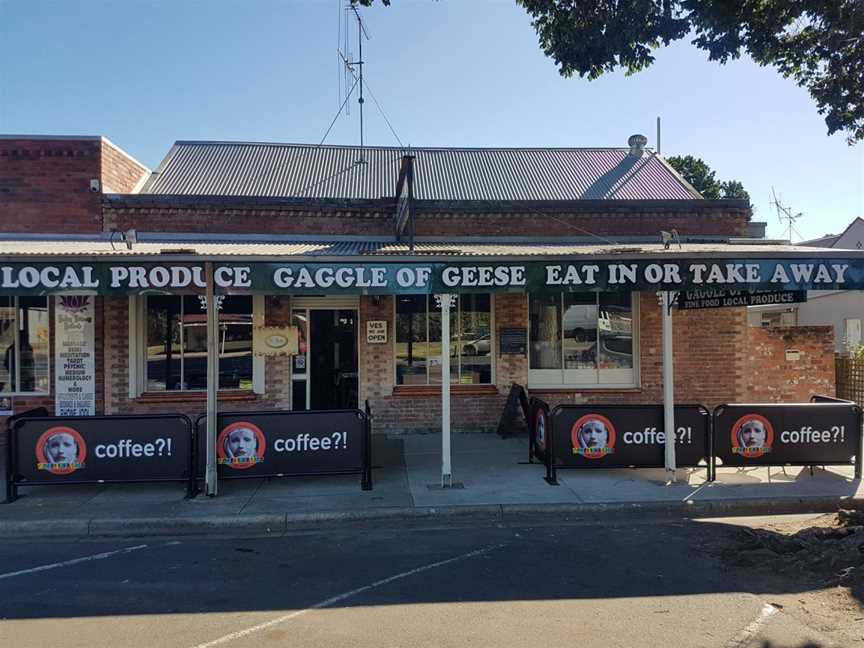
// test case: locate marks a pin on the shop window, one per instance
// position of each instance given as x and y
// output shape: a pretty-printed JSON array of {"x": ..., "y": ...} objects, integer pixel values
[
  {"x": 418, "y": 340},
  {"x": 583, "y": 339},
  {"x": 24, "y": 339},
  {"x": 175, "y": 342}
]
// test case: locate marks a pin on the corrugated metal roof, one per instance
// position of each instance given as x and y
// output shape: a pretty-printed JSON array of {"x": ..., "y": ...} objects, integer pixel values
[
  {"x": 311, "y": 251},
  {"x": 445, "y": 174}
]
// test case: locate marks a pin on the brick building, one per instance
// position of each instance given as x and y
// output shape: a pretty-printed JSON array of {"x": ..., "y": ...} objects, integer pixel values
[{"x": 75, "y": 200}]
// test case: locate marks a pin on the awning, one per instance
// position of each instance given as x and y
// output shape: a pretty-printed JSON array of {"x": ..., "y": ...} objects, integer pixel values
[{"x": 374, "y": 267}]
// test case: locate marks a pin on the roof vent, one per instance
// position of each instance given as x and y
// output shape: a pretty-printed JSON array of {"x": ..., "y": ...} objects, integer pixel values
[{"x": 637, "y": 144}]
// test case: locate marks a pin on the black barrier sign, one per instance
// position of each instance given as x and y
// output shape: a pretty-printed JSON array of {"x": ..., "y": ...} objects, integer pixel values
[
  {"x": 799, "y": 434},
  {"x": 262, "y": 444},
  {"x": 102, "y": 449},
  {"x": 587, "y": 436},
  {"x": 539, "y": 427}
]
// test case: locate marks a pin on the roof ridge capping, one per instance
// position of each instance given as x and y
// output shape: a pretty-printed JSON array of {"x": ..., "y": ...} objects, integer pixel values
[{"x": 355, "y": 147}]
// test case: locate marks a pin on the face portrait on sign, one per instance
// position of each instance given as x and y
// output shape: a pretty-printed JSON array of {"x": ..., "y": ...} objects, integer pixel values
[
  {"x": 752, "y": 436},
  {"x": 593, "y": 436},
  {"x": 540, "y": 429},
  {"x": 60, "y": 450},
  {"x": 241, "y": 445}
]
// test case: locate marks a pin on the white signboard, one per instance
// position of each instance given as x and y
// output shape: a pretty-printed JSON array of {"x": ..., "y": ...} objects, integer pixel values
[
  {"x": 74, "y": 356},
  {"x": 376, "y": 332}
]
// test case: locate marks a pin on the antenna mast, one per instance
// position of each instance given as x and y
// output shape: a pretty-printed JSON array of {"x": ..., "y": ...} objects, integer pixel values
[
  {"x": 349, "y": 64},
  {"x": 785, "y": 214}
]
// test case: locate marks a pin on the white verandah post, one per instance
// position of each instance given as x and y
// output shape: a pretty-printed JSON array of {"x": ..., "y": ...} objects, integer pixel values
[
  {"x": 445, "y": 302},
  {"x": 668, "y": 386},
  {"x": 210, "y": 475}
]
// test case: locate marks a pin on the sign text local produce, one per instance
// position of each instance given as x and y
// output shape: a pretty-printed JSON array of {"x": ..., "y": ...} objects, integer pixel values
[{"x": 390, "y": 278}]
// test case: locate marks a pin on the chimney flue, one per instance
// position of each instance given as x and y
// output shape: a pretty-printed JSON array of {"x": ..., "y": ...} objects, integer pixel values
[{"x": 637, "y": 144}]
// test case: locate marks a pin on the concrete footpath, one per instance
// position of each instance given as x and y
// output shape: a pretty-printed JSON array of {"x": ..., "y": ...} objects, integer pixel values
[{"x": 492, "y": 479}]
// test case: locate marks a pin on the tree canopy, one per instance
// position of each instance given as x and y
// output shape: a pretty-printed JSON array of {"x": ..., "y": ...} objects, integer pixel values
[
  {"x": 702, "y": 177},
  {"x": 818, "y": 43}
]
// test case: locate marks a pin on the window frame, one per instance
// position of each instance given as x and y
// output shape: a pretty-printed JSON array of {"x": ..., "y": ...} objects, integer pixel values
[
  {"x": 540, "y": 378},
  {"x": 492, "y": 339},
  {"x": 49, "y": 310},
  {"x": 138, "y": 352}
]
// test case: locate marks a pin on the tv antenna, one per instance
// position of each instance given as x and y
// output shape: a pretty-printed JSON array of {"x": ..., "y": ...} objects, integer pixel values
[
  {"x": 349, "y": 65},
  {"x": 784, "y": 214}
]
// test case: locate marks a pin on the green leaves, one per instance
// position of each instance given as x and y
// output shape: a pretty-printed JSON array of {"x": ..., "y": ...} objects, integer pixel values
[
  {"x": 817, "y": 43},
  {"x": 697, "y": 173}
]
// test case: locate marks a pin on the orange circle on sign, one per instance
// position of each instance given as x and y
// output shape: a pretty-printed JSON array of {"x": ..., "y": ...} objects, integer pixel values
[
  {"x": 752, "y": 451},
  {"x": 234, "y": 450},
  {"x": 55, "y": 459},
  {"x": 579, "y": 446}
]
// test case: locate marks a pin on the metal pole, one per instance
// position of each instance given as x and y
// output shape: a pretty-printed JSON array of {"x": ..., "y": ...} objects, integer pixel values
[
  {"x": 668, "y": 386},
  {"x": 212, "y": 382},
  {"x": 446, "y": 470}
]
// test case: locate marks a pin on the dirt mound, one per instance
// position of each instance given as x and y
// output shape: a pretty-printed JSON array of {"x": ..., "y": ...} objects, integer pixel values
[{"x": 829, "y": 551}]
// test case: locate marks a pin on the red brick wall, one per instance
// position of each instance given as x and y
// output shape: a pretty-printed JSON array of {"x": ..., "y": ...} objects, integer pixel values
[
  {"x": 768, "y": 377},
  {"x": 179, "y": 216},
  {"x": 706, "y": 347},
  {"x": 45, "y": 186},
  {"x": 277, "y": 372},
  {"x": 120, "y": 173}
]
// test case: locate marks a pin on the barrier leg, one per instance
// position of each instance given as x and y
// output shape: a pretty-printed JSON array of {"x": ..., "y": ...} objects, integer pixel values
[
  {"x": 858, "y": 456},
  {"x": 11, "y": 486},
  {"x": 366, "y": 473},
  {"x": 551, "y": 472},
  {"x": 712, "y": 455}
]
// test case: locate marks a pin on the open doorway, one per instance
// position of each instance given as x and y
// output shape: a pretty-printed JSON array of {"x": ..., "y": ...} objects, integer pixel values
[{"x": 325, "y": 377}]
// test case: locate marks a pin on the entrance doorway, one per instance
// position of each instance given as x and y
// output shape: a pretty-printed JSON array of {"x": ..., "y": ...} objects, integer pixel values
[{"x": 324, "y": 374}]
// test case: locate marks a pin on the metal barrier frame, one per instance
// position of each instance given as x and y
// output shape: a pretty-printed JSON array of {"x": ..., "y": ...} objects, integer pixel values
[
  {"x": 12, "y": 483},
  {"x": 533, "y": 405},
  {"x": 365, "y": 469},
  {"x": 552, "y": 470},
  {"x": 813, "y": 399}
]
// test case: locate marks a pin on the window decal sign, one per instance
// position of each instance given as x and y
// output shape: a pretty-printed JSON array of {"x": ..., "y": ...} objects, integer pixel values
[
  {"x": 74, "y": 356},
  {"x": 671, "y": 272}
]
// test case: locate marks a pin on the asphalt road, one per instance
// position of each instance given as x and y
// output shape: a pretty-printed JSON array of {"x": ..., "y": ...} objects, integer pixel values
[{"x": 584, "y": 583}]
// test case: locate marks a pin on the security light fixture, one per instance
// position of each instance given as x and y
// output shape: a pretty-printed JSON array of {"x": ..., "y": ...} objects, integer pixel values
[{"x": 129, "y": 237}]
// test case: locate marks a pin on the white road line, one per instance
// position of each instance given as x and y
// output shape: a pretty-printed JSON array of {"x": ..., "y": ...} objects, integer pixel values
[
  {"x": 66, "y": 563},
  {"x": 341, "y": 597},
  {"x": 746, "y": 635}
]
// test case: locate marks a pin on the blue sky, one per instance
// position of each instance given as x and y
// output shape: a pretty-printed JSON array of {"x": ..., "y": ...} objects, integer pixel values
[{"x": 447, "y": 73}]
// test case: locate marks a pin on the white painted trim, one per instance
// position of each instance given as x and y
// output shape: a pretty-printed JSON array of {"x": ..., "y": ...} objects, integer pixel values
[
  {"x": 258, "y": 362},
  {"x": 105, "y": 140},
  {"x": 16, "y": 308},
  {"x": 134, "y": 347},
  {"x": 140, "y": 184}
]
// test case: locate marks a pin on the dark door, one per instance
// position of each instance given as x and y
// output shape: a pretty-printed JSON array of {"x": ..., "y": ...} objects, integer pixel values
[{"x": 333, "y": 359}]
